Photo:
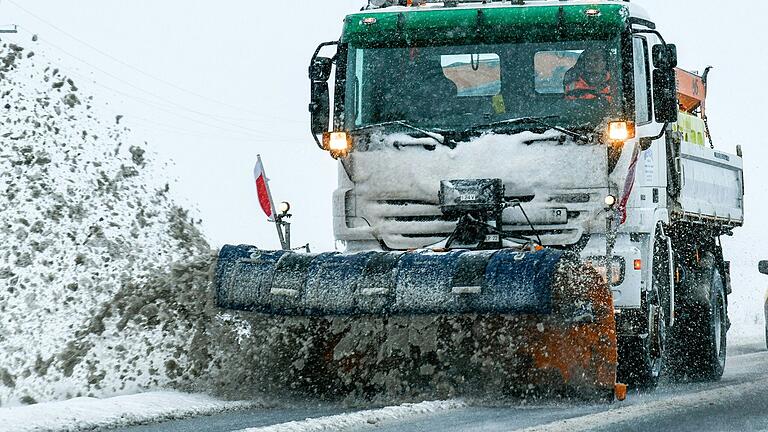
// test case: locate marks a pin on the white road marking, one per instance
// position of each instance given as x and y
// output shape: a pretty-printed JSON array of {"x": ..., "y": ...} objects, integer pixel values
[
  {"x": 357, "y": 420},
  {"x": 658, "y": 408}
]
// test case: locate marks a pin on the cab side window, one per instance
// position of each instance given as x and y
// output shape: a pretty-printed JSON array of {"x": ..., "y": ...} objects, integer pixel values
[{"x": 642, "y": 81}]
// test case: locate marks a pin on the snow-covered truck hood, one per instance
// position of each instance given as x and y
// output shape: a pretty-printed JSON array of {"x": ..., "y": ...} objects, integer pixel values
[
  {"x": 395, "y": 184},
  {"x": 400, "y": 171}
]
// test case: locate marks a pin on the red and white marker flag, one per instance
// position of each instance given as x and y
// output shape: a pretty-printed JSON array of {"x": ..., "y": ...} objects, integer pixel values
[{"x": 262, "y": 189}]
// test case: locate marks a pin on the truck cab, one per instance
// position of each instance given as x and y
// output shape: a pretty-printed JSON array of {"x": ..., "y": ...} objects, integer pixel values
[{"x": 575, "y": 106}]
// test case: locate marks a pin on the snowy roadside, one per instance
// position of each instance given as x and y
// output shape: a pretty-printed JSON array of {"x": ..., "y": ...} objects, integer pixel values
[
  {"x": 89, "y": 413},
  {"x": 85, "y": 414},
  {"x": 746, "y": 334}
]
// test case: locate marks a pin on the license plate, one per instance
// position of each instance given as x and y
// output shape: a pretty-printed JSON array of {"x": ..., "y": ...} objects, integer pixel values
[
  {"x": 556, "y": 216},
  {"x": 551, "y": 216}
]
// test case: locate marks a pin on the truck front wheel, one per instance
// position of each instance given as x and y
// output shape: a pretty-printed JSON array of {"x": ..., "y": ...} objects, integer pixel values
[{"x": 641, "y": 358}]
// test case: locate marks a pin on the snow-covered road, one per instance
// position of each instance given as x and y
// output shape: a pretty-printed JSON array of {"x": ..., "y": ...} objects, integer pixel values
[{"x": 737, "y": 403}]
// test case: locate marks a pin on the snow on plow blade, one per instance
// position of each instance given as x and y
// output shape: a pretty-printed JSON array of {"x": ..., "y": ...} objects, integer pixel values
[{"x": 524, "y": 323}]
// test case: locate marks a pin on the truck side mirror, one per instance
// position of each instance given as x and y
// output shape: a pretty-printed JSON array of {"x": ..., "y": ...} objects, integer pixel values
[
  {"x": 665, "y": 56},
  {"x": 665, "y": 83},
  {"x": 320, "y": 101},
  {"x": 320, "y": 69},
  {"x": 665, "y": 95},
  {"x": 320, "y": 107},
  {"x": 763, "y": 267}
]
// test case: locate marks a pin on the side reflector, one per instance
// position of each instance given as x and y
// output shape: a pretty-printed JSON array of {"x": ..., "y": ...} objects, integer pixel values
[
  {"x": 638, "y": 264},
  {"x": 621, "y": 131}
]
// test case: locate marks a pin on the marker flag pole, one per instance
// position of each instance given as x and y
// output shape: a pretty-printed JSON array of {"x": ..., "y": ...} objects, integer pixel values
[{"x": 265, "y": 197}]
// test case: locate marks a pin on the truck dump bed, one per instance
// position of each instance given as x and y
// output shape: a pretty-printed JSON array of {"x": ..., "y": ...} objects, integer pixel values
[
  {"x": 711, "y": 185},
  {"x": 708, "y": 184}
]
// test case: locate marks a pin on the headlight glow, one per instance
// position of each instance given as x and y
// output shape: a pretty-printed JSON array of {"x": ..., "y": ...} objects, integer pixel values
[
  {"x": 339, "y": 144},
  {"x": 621, "y": 130}
]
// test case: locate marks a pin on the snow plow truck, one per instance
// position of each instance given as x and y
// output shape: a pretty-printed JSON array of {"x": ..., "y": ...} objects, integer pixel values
[{"x": 529, "y": 199}]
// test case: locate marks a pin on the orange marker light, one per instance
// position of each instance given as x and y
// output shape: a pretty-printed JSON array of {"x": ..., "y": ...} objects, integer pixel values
[
  {"x": 620, "y": 391},
  {"x": 638, "y": 264}
]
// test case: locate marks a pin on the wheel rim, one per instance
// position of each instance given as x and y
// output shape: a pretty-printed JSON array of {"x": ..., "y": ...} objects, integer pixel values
[
  {"x": 654, "y": 343},
  {"x": 661, "y": 335},
  {"x": 718, "y": 330}
]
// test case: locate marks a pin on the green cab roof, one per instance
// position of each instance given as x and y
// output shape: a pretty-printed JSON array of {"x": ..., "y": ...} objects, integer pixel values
[{"x": 483, "y": 24}]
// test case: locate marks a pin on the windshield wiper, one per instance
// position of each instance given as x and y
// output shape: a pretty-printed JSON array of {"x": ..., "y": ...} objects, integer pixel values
[
  {"x": 542, "y": 121},
  {"x": 440, "y": 139},
  {"x": 518, "y": 204}
]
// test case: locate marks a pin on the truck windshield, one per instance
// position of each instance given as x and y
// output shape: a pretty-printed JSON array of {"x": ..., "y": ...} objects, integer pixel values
[{"x": 460, "y": 87}]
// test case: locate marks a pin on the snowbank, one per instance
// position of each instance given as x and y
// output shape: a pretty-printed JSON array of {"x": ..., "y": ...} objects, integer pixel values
[
  {"x": 84, "y": 224},
  {"x": 89, "y": 413}
]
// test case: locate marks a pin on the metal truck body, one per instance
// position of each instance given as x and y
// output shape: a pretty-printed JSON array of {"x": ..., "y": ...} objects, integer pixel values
[
  {"x": 682, "y": 191},
  {"x": 527, "y": 184}
]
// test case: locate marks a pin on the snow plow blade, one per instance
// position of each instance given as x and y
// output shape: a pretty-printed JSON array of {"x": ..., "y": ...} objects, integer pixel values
[{"x": 460, "y": 322}]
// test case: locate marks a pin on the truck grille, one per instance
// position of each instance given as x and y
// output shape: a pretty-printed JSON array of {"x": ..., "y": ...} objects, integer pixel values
[{"x": 410, "y": 224}]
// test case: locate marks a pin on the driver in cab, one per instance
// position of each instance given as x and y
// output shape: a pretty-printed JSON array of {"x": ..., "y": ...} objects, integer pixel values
[{"x": 590, "y": 78}]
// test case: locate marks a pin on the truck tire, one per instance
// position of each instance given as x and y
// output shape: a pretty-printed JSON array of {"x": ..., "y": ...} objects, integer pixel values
[
  {"x": 642, "y": 358},
  {"x": 701, "y": 339}
]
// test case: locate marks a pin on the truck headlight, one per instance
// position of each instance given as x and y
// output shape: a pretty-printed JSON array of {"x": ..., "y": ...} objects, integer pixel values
[
  {"x": 621, "y": 130},
  {"x": 617, "y": 268},
  {"x": 339, "y": 144}
]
